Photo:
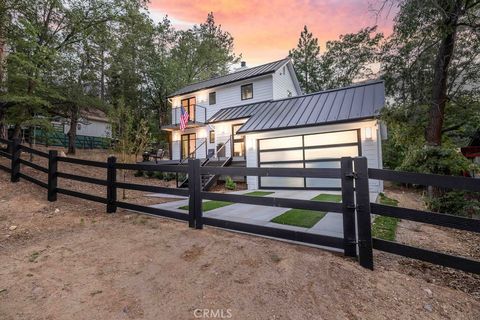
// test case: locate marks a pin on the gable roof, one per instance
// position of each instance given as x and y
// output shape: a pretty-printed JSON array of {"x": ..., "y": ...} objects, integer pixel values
[
  {"x": 244, "y": 74},
  {"x": 361, "y": 101}
]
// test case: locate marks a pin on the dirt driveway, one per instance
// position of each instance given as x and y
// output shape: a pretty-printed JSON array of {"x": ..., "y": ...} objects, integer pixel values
[{"x": 70, "y": 260}]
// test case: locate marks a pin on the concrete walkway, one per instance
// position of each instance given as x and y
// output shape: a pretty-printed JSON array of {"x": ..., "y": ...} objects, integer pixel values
[{"x": 331, "y": 224}]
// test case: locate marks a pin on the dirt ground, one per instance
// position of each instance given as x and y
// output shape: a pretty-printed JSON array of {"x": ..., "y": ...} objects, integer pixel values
[{"x": 71, "y": 260}]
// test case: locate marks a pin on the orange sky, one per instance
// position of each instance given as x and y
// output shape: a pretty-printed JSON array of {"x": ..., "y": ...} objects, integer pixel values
[{"x": 265, "y": 30}]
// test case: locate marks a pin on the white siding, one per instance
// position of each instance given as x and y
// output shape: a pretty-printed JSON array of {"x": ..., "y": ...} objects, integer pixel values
[
  {"x": 91, "y": 128},
  {"x": 371, "y": 149},
  {"x": 227, "y": 96},
  {"x": 283, "y": 85}
]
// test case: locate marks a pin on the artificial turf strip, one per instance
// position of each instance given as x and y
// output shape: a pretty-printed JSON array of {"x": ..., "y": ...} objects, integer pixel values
[
  {"x": 385, "y": 227},
  {"x": 214, "y": 204},
  {"x": 306, "y": 218}
]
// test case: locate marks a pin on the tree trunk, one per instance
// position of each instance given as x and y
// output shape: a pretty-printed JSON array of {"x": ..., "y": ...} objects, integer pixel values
[
  {"x": 17, "y": 130},
  {"x": 72, "y": 134},
  {"x": 433, "y": 132},
  {"x": 3, "y": 126}
]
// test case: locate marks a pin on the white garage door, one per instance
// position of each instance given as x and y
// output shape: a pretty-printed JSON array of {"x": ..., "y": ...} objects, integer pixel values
[{"x": 321, "y": 150}]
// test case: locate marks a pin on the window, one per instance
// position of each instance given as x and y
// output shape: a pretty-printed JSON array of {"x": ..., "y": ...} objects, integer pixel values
[
  {"x": 212, "y": 98},
  {"x": 247, "y": 91},
  {"x": 79, "y": 127},
  {"x": 212, "y": 136},
  {"x": 189, "y": 106}
]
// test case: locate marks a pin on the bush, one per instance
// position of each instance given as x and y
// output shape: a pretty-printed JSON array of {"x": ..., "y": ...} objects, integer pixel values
[
  {"x": 138, "y": 173},
  {"x": 158, "y": 175},
  {"x": 149, "y": 173},
  {"x": 447, "y": 161},
  {"x": 229, "y": 184},
  {"x": 168, "y": 176}
]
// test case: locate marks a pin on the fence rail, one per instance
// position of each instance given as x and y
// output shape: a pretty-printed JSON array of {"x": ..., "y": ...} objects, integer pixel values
[{"x": 355, "y": 207}]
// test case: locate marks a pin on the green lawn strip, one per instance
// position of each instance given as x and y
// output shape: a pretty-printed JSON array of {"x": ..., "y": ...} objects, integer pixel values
[
  {"x": 306, "y": 218},
  {"x": 214, "y": 204},
  {"x": 385, "y": 227}
]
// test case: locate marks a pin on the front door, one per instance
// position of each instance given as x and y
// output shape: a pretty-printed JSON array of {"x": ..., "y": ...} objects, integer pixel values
[
  {"x": 189, "y": 144},
  {"x": 238, "y": 141}
]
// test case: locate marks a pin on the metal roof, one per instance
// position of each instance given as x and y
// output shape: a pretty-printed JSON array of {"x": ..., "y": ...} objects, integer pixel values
[
  {"x": 233, "y": 77},
  {"x": 362, "y": 101},
  {"x": 238, "y": 112}
]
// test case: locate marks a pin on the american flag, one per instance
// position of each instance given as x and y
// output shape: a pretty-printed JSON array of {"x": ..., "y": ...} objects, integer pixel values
[{"x": 183, "y": 118}]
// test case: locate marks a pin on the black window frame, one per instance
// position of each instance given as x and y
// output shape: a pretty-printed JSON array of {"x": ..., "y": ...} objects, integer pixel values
[
  {"x": 214, "y": 93},
  {"x": 241, "y": 91}
]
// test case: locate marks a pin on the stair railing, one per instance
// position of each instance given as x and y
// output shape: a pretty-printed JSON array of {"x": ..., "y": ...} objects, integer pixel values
[{"x": 229, "y": 141}]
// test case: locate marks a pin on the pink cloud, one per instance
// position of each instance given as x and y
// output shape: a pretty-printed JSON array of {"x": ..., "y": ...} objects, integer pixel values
[{"x": 266, "y": 30}]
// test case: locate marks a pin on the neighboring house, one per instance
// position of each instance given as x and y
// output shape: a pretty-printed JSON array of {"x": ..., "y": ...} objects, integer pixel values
[
  {"x": 472, "y": 151},
  {"x": 258, "y": 117},
  {"x": 93, "y": 131}
]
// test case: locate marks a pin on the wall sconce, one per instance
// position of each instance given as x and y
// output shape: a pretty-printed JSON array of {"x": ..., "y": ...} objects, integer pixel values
[{"x": 368, "y": 133}]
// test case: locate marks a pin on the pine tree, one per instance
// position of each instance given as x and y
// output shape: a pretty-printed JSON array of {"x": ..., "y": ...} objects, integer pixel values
[{"x": 306, "y": 61}]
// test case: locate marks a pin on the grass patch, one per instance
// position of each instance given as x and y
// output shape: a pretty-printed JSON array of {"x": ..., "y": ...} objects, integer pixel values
[
  {"x": 306, "y": 218},
  {"x": 214, "y": 204},
  {"x": 385, "y": 227},
  {"x": 259, "y": 193}
]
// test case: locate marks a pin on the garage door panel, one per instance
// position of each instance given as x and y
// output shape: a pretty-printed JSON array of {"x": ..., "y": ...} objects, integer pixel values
[
  {"x": 291, "y": 142},
  {"x": 289, "y": 155},
  {"x": 328, "y": 153},
  {"x": 323, "y": 183},
  {"x": 275, "y": 182},
  {"x": 323, "y": 139}
]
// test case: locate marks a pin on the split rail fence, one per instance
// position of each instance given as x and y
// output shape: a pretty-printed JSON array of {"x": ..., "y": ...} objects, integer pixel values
[{"x": 355, "y": 207}]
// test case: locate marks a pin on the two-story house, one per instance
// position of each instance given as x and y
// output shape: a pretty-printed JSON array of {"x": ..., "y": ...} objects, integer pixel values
[{"x": 258, "y": 117}]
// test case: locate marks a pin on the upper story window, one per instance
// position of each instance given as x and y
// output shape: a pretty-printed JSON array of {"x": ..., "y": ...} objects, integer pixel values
[
  {"x": 212, "y": 98},
  {"x": 247, "y": 91},
  {"x": 189, "y": 106}
]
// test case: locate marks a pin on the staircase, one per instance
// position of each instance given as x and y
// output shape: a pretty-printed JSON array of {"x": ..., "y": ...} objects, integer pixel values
[{"x": 208, "y": 180}]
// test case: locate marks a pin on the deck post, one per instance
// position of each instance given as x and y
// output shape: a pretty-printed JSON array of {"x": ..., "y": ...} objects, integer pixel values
[
  {"x": 348, "y": 208},
  {"x": 15, "y": 161},
  {"x": 52, "y": 175},
  {"x": 363, "y": 213},
  {"x": 111, "y": 185}
]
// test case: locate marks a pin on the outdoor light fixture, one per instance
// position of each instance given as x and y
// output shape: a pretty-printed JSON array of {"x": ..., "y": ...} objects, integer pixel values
[{"x": 368, "y": 133}]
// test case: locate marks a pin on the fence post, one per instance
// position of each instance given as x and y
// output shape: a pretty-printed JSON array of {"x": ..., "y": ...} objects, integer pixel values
[
  {"x": 111, "y": 187},
  {"x": 15, "y": 164},
  {"x": 52, "y": 175},
  {"x": 197, "y": 198},
  {"x": 363, "y": 213},
  {"x": 348, "y": 208},
  {"x": 191, "y": 193}
]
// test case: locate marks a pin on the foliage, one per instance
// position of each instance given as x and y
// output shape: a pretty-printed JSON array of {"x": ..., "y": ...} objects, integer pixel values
[
  {"x": 460, "y": 203},
  {"x": 345, "y": 61},
  {"x": 230, "y": 184},
  {"x": 385, "y": 227}
]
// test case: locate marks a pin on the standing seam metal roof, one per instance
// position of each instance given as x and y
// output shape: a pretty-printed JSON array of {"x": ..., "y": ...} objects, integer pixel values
[
  {"x": 356, "y": 102},
  {"x": 232, "y": 77}
]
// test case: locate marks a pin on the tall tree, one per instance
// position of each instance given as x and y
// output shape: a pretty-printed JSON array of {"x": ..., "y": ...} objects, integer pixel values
[{"x": 306, "y": 60}]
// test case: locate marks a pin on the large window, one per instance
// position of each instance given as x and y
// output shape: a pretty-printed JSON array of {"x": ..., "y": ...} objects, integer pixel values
[
  {"x": 189, "y": 106},
  {"x": 212, "y": 98},
  {"x": 247, "y": 91}
]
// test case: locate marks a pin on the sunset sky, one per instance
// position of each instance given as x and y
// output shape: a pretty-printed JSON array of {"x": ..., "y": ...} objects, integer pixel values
[{"x": 265, "y": 30}]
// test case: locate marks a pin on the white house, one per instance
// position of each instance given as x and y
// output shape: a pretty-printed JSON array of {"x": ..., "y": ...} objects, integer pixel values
[{"x": 258, "y": 117}]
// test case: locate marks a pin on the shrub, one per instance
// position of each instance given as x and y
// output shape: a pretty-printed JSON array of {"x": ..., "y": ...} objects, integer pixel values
[
  {"x": 168, "y": 176},
  {"x": 149, "y": 173},
  {"x": 229, "y": 184},
  {"x": 447, "y": 161},
  {"x": 138, "y": 173}
]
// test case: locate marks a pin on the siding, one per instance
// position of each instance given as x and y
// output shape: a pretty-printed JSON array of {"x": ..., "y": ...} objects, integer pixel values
[
  {"x": 92, "y": 128},
  {"x": 371, "y": 149},
  {"x": 283, "y": 84},
  {"x": 227, "y": 96}
]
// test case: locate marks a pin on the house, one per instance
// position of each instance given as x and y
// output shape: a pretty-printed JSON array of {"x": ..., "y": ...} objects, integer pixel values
[
  {"x": 258, "y": 117},
  {"x": 93, "y": 131}
]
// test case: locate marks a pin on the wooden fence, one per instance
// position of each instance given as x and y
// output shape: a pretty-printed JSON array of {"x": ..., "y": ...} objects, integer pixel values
[{"x": 355, "y": 208}]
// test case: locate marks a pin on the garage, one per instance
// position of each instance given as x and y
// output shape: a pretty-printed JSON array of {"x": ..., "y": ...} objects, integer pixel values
[{"x": 318, "y": 150}]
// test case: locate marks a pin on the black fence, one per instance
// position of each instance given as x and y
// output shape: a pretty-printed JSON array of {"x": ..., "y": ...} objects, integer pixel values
[{"x": 355, "y": 207}]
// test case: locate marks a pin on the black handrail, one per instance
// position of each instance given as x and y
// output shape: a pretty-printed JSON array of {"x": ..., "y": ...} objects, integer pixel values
[
  {"x": 223, "y": 146},
  {"x": 194, "y": 120}
]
